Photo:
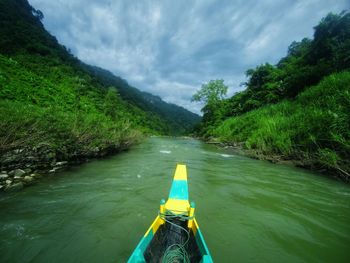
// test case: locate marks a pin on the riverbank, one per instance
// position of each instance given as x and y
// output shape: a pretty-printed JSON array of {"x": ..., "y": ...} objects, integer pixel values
[
  {"x": 303, "y": 161},
  {"x": 311, "y": 130},
  {"x": 25, "y": 166}
]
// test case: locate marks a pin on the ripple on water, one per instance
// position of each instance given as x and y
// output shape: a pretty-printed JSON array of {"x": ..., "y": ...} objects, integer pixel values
[{"x": 248, "y": 210}]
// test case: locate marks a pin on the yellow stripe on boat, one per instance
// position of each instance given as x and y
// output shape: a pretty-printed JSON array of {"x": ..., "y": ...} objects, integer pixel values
[
  {"x": 155, "y": 225},
  {"x": 180, "y": 172},
  {"x": 178, "y": 197},
  {"x": 177, "y": 206}
]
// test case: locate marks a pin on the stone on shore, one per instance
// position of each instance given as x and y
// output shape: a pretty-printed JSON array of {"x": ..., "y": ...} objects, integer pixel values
[
  {"x": 19, "y": 172},
  {"x": 3, "y": 177},
  {"x": 27, "y": 180},
  {"x": 15, "y": 187},
  {"x": 61, "y": 163},
  {"x": 17, "y": 178},
  {"x": 36, "y": 176},
  {"x": 27, "y": 170}
]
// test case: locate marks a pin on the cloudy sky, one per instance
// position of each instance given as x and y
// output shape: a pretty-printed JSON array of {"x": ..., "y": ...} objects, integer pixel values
[{"x": 169, "y": 48}]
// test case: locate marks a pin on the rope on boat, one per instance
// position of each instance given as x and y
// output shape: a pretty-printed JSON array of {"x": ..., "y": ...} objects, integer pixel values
[{"x": 176, "y": 252}]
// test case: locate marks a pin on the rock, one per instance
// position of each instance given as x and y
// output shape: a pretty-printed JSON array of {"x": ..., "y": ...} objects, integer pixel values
[
  {"x": 61, "y": 163},
  {"x": 58, "y": 168},
  {"x": 55, "y": 169},
  {"x": 28, "y": 170},
  {"x": 11, "y": 159},
  {"x": 36, "y": 176},
  {"x": 19, "y": 172},
  {"x": 31, "y": 158},
  {"x": 14, "y": 187},
  {"x": 3, "y": 177},
  {"x": 17, "y": 178},
  {"x": 28, "y": 180},
  {"x": 8, "y": 182}
]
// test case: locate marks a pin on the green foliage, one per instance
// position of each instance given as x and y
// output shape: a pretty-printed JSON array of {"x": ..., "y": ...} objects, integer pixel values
[
  {"x": 37, "y": 70},
  {"x": 306, "y": 63},
  {"x": 328, "y": 157},
  {"x": 214, "y": 110},
  {"x": 176, "y": 120},
  {"x": 211, "y": 92},
  {"x": 315, "y": 126},
  {"x": 49, "y": 97},
  {"x": 284, "y": 112},
  {"x": 21, "y": 31},
  {"x": 36, "y": 108},
  {"x": 70, "y": 133},
  {"x": 111, "y": 102}
]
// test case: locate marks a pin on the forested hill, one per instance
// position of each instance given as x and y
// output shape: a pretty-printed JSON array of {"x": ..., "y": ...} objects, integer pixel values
[
  {"x": 179, "y": 119},
  {"x": 23, "y": 34},
  {"x": 297, "y": 109},
  {"x": 54, "y": 107}
]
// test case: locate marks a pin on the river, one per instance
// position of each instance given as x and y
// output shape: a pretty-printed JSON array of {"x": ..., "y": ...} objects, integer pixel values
[{"x": 248, "y": 210}]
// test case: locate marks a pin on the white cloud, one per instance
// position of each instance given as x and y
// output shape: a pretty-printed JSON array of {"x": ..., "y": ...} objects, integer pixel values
[{"x": 170, "y": 47}]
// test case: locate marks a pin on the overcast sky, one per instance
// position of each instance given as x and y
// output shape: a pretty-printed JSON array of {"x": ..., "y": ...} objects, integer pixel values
[{"x": 169, "y": 48}]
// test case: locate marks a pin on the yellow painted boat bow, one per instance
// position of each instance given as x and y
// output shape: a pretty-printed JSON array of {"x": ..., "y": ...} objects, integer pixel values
[{"x": 174, "y": 235}]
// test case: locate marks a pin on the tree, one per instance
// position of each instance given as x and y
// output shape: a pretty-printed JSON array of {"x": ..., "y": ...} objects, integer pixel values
[
  {"x": 259, "y": 76},
  {"x": 111, "y": 103},
  {"x": 211, "y": 92},
  {"x": 38, "y": 14}
]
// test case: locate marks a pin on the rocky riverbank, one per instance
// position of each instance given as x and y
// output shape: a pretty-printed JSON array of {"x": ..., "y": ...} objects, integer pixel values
[
  {"x": 302, "y": 162},
  {"x": 25, "y": 166}
]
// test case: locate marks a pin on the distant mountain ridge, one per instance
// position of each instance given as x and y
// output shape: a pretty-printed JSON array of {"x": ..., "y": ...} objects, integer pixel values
[{"x": 178, "y": 117}]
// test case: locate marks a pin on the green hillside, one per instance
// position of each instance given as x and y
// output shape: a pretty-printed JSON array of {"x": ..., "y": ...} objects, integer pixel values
[
  {"x": 297, "y": 109},
  {"x": 48, "y": 97},
  {"x": 179, "y": 119},
  {"x": 313, "y": 129}
]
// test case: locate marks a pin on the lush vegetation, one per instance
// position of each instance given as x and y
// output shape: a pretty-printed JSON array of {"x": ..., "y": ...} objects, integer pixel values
[
  {"x": 61, "y": 109},
  {"x": 212, "y": 94},
  {"x": 297, "y": 109},
  {"x": 314, "y": 128},
  {"x": 47, "y": 96},
  {"x": 177, "y": 119}
]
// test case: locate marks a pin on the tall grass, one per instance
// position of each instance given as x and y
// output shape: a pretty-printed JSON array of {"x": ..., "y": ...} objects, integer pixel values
[
  {"x": 67, "y": 132},
  {"x": 315, "y": 127},
  {"x": 65, "y": 111}
]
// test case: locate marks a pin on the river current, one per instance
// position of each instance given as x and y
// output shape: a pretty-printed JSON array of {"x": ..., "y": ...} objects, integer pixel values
[{"x": 248, "y": 210}]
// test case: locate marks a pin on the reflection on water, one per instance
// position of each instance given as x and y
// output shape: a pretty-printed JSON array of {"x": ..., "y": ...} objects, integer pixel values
[{"x": 249, "y": 210}]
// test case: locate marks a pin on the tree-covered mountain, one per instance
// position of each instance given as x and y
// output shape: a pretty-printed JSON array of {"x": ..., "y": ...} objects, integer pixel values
[
  {"x": 49, "y": 97},
  {"x": 297, "y": 109},
  {"x": 179, "y": 119},
  {"x": 23, "y": 32}
]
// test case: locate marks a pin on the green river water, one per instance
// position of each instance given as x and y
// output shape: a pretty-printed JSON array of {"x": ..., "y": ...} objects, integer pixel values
[{"x": 248, "y": 210}]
